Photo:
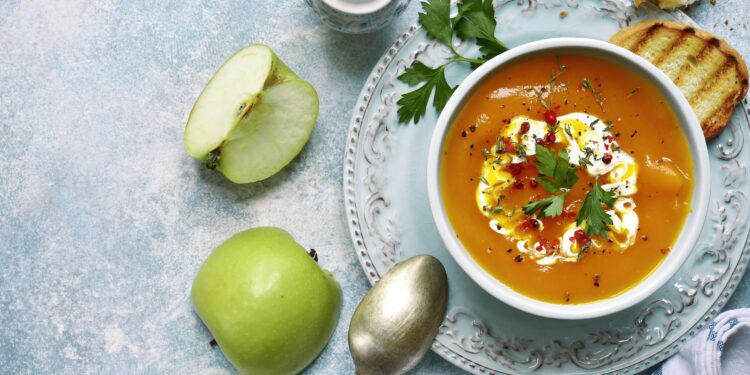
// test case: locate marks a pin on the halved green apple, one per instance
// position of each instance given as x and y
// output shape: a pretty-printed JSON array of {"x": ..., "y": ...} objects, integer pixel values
[{"x": 252, "y": 118}]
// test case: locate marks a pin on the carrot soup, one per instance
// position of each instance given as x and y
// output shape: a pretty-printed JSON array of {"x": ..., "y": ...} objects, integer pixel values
[{"x": 567, "y": 178}]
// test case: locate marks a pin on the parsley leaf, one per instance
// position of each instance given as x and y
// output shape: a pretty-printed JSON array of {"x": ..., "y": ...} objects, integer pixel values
[
  {"x": 549, "y": 185},
  {"x": 547, "y": 207},
  {"x": 436, "y": 20},
  {"x": 556, "y": 175},
  {"x": 475, "y": 19},
  {"x": 417, "y": 73},
  {"x": 545, "y": 160},
  {"x": 556, "y": 171},
  {"x": 413, "y": 104},
  {"x": 597, "y": 220},
  {"x": 489, "y": 49}
]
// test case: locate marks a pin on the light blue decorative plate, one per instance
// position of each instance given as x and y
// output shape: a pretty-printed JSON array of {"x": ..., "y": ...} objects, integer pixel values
[{"x": 389, "y": 217}]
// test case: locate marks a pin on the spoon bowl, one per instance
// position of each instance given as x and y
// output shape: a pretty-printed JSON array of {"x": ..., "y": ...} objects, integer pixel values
[{"x": 398, "y": 319}]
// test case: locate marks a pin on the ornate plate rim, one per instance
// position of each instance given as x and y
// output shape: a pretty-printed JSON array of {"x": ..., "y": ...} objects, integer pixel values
[{"x": 366, "y": 262}]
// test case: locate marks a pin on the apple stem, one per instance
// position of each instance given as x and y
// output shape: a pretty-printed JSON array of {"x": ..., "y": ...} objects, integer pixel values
[
  {"x": 314, "y": 255},
  {"x": 212, "y": 160}
]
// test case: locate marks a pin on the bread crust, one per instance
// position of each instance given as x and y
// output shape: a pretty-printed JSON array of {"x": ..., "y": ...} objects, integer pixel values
[
  {"x": 665, "y": 4},
  {"x": 721, "y": 115}
]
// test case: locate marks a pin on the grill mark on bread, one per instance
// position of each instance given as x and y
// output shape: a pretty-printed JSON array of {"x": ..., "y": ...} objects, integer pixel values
[
  {"x": 707, "y": 92},
  {"x": 722, "y": 104},
  {"x": 718, "y": 109},
  {"x": 679, "y": 41},
  {"x": 689, "y": 65},
  {"x": 673, "y": 63},
  {"x": 644, "y": 37},
  {"x": 661, "y": 43},
  {"x": 709, "y": 85},
  {"x": 693, "y": 80}
]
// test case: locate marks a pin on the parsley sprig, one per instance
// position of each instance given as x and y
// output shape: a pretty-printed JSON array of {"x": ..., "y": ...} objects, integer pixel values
[
  {"x": 557, "y": 177},
  {"x": 475, "y": 20},
  {"x": 592, "y": 211},
  {"x": 547, "y": 207},
  {"x": 557, "y": 173}
]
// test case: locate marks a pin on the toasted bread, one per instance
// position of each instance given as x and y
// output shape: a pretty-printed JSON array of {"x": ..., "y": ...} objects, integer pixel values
[
  {"x": 711, "y": 74},
  {"x": 665, "y": 4}
]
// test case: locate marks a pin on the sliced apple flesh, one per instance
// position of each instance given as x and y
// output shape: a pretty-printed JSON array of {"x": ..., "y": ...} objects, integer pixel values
[{"x": 252, "y": 118}]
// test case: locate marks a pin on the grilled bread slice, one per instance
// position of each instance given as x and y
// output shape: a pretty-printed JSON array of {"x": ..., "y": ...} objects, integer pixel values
[
  {"x": 666, "y": 4},
  {"x": 711, "y": 74}
]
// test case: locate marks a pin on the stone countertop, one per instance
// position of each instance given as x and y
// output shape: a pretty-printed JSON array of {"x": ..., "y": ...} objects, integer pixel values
[{"x": 104, "y": 219}]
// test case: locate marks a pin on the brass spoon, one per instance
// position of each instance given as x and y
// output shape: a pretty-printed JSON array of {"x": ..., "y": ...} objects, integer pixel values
[{"x": 397, "y": 320}]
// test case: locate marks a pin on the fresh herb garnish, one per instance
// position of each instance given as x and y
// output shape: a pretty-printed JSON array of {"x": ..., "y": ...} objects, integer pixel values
[
  {"x": 485, "y": 152},
  {"x": 552, "y": 81},
  {"x": 436, "y": 20},
  {"x": 499, "y": 144},
  {"x": 413, "y": 104},
  {"x": 633, "y": 92},
  {"x": 597, "y": 94},
  {"x": 547, "y": 207},
  {"x": 484, "y": 180},
  {"x": 553, "y": 128},
  {"x": 584, "y": 249},
  {"x": 475, "y": 20},
  {"x": 586, "y": 159},
  {"x": 499, "y": 210},
  {"x": 568, "y": 131},
  {"x": 560, "y": 66},
  {"x": 557, "y": 174},
  {"x": 520, "y": 149},
  {"x": 541, "y": 100},
  {"x": 592, "y": 211},
  {"x": 553, "y": 76}
]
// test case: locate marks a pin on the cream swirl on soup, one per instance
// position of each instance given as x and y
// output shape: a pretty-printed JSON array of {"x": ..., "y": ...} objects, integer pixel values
[{"x": 589, "y": 146}]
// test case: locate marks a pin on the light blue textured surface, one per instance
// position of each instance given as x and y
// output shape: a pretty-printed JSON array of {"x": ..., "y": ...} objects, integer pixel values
[{"x": 104, "y": 219}]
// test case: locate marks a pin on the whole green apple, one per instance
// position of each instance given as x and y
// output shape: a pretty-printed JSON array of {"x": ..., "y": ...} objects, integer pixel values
[{"x": 267, "y": 303}]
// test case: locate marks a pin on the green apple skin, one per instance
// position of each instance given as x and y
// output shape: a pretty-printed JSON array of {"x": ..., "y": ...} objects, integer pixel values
[
  {"x": 253, "y": 117},
  {"x": 267, "y": 303}
]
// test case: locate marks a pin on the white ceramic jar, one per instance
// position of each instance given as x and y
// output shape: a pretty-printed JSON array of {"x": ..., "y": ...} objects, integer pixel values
[{"x": 357, "y": 16}]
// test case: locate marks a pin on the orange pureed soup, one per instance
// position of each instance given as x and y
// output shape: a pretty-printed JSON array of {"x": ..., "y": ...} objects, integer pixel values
[{"x": 567, "y": 178}]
